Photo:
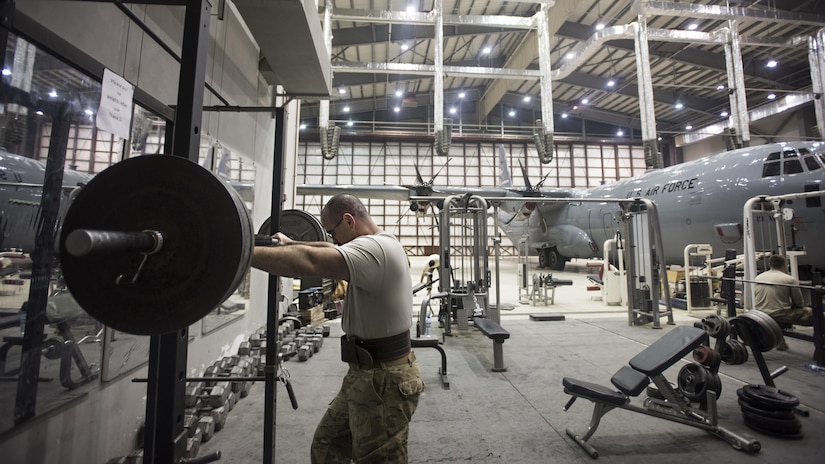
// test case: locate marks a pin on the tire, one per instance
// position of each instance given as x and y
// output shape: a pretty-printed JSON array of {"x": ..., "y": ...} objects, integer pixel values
[{"x": 555, "y": 260}]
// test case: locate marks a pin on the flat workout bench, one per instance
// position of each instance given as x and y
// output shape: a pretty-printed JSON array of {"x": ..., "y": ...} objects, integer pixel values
[
  {"x": 632, "y": 379},
  {"x": 497, "y": 334}
]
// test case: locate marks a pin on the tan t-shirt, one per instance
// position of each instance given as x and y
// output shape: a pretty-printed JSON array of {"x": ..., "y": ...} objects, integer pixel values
[
  {"x": 378, "y": 302},
  {"x": 770, "y": 298}
]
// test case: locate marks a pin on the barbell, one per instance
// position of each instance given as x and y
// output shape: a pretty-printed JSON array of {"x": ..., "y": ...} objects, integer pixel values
[{"x": 154, "y": 243}]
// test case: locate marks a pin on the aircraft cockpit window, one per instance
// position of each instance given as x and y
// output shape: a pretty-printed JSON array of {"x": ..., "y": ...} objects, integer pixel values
[
  {"x": 789, "y": 154},
  {"x": 811, "y": 163},
  {"x": 773, "y": 156},
  {"x": 771, "y": 169},
  {"x": 793, "y": 166},
  {"x": 804, "y": 151}
]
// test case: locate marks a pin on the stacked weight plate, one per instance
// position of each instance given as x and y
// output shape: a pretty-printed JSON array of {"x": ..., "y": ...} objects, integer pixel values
[{"x": 770, "y": 410}]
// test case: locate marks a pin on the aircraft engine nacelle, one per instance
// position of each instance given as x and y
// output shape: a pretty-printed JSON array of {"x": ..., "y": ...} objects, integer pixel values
[{"x": 572, "y": 242}]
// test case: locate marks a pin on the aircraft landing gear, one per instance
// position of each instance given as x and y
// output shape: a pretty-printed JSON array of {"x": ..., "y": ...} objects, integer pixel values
[{"x": 550, "y": 257}]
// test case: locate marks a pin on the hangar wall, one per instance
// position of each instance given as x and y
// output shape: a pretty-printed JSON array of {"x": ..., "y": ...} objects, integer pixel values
[{"x": 469, "y": 164}]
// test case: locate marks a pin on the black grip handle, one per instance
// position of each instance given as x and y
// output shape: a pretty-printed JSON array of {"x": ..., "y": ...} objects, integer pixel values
[
  {"x": 81, "y": 242},
  {"x": 291, "y": 393},
  {"x": 265, "y": 240}
]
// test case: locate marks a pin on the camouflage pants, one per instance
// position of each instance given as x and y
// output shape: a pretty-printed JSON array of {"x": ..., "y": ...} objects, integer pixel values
[
  {"x": 368, "y": 420},
  {"x": 798, "y": 316}
]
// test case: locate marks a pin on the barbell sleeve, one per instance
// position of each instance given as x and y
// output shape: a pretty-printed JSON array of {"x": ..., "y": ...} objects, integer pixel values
[{"x": 81, "y": 242}]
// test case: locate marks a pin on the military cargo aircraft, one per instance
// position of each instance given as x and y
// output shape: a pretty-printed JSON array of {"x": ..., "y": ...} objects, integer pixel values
[
  {"x": 21, "y": 187},
  {"x": 698, "y": 202}
]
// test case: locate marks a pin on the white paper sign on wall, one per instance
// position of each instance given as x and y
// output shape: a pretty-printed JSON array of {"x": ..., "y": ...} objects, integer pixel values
[{"x": 114, "y": 114}]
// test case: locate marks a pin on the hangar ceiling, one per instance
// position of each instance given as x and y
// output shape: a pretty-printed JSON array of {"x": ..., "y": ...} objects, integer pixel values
[{"x": 377, "y": 55}]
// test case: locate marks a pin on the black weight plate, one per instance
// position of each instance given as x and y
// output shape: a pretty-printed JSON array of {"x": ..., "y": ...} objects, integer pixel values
[
  {"x": 716, "y": 326},
  {"x": 207, "y": 244},
  {"x": 794, "y": 436},
  {"x": 764, "y": 337},
  {"x": 771, "y": 397},
  {"x": 775, "y": 414},
  {"x": 694, "y": 381},
  {"x": 786, "y": 426},
  {"x": 297, "y": 225}
]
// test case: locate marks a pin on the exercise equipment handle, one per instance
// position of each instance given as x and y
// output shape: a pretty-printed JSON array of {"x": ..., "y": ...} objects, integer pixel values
[
  {"x": 81, "y": 242},
  {"x": 265, "y": 240}
]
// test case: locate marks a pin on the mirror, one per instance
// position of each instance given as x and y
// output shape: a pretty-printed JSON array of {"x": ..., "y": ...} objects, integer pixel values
[{"x": 240, "y": 174}]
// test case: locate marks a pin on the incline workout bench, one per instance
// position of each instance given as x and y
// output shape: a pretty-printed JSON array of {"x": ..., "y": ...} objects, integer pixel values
[{"x": 632, "y": 379}]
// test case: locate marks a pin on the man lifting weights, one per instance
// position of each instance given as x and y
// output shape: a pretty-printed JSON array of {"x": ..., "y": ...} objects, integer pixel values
[{"x": 368, "y": 421}]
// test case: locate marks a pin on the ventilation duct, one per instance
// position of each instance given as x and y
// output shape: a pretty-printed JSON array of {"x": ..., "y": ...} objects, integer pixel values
[{"x": 544, "y": 142}]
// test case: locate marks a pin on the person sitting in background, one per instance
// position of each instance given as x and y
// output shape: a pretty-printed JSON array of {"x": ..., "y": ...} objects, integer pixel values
[{"x": 777, "y": 294}]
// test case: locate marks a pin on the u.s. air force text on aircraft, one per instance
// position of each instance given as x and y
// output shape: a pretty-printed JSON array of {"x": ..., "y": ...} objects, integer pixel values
[{"x": 672, "y": 186}]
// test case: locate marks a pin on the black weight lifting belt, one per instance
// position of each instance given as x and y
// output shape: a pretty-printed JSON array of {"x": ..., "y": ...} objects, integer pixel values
[{"x": 356, "y": 350}]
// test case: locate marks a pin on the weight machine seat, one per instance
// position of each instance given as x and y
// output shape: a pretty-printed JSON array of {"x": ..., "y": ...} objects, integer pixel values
[
  {"x": 665, "y": 351},
  {"x": 595, "y": 279},
  {"x": 593, "y": 392},
  {"x": 630, "y": 381},
  {"x": 491, "y": 329}
]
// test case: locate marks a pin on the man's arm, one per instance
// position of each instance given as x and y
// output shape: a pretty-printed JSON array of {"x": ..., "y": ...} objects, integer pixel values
[
  {"x": 796, "y": 297},
  {"x": 301, "y": 259}
]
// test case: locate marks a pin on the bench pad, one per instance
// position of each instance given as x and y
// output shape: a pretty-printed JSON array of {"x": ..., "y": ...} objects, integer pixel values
[
  {"x": 424, "y": 342},
  {"x": 665, "y": 351},
  {"x": 630, "y": 381},
  {"x": 593, "y": 391},
  {"x": 491, "y": 329}
]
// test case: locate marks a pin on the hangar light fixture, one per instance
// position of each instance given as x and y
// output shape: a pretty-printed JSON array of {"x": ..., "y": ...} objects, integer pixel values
[
  {"x": 405, "y": 47},
  {"x": 512, "y": 113},
  {"x": 39, "y": 112},
  {"x": 772, "y": 63},
  {"x": 410, "y": 9},
  {"x": 303, "y": 126},
  {"x": 679, "y": 105},
  {"x": 462, "y": 95},
  {"x": 585, "y": 101},
  {"x": 688, "y": 127},
  {"x": 342, "y": 90},
  {"x": 452, "y": 110},
  {"x": 724, "y": 114},
  {"x": 611, "y": 83},
  {"x": 599, "y": 26},
  {"x": 396, "y": 109},
  {"x": 346, "y": 109},
  {"x": 486, "y": 50},
  {"x": 720, "y": 87},
  {"x": 527, "y": 99},
  {"x": 771, "y": 96},
  {"x": 399, "y": 93},
  {"x": 6, "y": 72},
  {"x": 620, "y": 133},
  {"x": 693, "y": 26},
  {"x": 349, "y": 123},
  {"x": 564, "y": 115},
  {"x": 570, "y": 55},
  {"x": 53, "y": 93}
]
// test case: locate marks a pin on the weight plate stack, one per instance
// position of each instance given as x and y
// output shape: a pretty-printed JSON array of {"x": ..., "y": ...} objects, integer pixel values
[{"x": 770, "y": 410}]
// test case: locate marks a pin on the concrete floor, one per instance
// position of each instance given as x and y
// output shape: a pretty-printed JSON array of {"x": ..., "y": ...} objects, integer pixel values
[{"x": 516, "y": 416}]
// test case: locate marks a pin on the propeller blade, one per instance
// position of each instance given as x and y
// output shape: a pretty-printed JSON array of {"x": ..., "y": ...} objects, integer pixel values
[{"x": 527, "y": 183}]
